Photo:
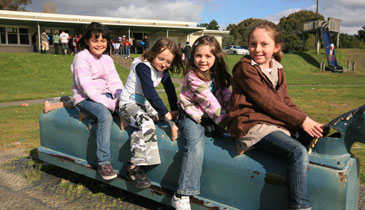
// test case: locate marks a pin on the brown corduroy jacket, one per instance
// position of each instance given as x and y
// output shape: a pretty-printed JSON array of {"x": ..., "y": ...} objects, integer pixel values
[{"x": 254, "y": 100}]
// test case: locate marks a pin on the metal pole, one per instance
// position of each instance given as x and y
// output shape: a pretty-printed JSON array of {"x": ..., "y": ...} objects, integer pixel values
[
  {"x": 317, "y": 8},
  {"x": 167, "y": 33},
  {"x": 129, "y": 33},
  {"x": 39, "y": 37},
  {"x": 317, "y": 32}
]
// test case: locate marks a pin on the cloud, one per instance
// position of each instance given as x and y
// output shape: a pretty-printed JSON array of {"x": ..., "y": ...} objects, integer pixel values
[
  {"x": 276, "y": 17},
  {"x": 351, "y": 12},
  {"x": 184, "y": 10},
  {"x": 166, "y": 10}
]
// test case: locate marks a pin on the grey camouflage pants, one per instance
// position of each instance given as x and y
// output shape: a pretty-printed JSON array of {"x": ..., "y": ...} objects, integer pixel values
[{"x": 143, "y": 142}]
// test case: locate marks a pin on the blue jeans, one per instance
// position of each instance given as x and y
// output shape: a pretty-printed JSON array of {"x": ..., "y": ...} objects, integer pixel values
[
  {"x": 280, "y": 144},
  {"x": 127, "y": 51},
  {"x": 192, "y": 136},
  {"x": 104, "y": 120}
]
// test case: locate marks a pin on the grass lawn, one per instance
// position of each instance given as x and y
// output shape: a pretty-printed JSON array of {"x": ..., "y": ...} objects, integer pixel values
[
  {"x": 33, "y": 75},
  {"x": 323, "y": 95}
]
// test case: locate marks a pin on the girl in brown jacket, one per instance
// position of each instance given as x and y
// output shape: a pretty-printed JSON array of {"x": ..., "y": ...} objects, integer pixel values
[{"x": 263, "y": 113}]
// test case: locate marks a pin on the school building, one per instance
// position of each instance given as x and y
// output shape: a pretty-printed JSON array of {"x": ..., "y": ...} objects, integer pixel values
[{"x": 18, "y": 27}]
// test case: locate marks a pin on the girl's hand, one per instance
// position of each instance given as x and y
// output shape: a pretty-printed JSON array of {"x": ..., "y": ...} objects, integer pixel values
[
  {"x": 168, "y": 116},
  {"x": 313, "y": 128},
  {"x": 174, "y": 114}
]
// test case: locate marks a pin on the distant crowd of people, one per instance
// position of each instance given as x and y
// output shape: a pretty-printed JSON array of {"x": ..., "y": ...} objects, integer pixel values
[
  {"x": 62, "y": 42},
  {"x": 125, "y": 46}
]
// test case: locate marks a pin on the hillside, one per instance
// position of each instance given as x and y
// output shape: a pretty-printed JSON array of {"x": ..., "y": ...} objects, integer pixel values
[{"x": 32, "y": 75}]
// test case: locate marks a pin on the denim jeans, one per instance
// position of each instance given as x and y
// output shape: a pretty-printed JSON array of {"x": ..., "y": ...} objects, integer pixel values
[
  {"x": 104, "y": 120},
  {"x": 192, "y": 136},
  {"x": 280, "y": 144}
]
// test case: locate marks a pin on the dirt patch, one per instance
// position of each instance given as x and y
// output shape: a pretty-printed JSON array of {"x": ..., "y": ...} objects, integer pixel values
[
  {"x": 123, "y": 61},
  {"x": 57, "y": 188},
  {"x": 28, "y": 184}
]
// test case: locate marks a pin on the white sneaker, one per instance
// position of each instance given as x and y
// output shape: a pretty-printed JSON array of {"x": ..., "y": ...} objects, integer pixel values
[{"x": 182, "y": 203}]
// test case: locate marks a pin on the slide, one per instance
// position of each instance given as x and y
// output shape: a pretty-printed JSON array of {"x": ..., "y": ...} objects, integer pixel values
[{"x": 330, "y": 50}]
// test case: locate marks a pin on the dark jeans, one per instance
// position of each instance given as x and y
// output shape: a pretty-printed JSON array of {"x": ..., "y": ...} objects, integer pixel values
[
  {"x": 282, "y": 145},
  {"x": 104, "y": 122},
  {"x": 56, "y": 48}
]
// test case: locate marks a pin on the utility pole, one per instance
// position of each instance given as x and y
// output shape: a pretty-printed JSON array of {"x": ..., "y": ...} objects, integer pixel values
[
  {"x": 317, "y": 8},
  {"x": 318, "y": 45}
]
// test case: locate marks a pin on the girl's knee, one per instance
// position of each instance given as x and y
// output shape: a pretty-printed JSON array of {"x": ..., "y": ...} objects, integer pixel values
[
  {"x": 301, "y": 154},
  {"x": 105, "y": 116}
]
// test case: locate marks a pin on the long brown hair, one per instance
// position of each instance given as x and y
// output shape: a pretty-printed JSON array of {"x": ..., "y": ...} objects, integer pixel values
[
  {"x": 274, "y": 32},
  {"x": 219, "y": 69},
  {"x": 161, "y": 45}
]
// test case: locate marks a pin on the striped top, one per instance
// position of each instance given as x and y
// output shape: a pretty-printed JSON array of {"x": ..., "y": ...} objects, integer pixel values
[{"x": 196, "y": 99}]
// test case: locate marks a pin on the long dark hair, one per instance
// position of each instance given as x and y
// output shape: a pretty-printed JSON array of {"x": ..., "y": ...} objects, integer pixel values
[
  {"x": 274, "y": 33},
  {"x": 219, "y": 69},
  {"x": 95, "y": 29},
  {"x": 161, "y": 45}
]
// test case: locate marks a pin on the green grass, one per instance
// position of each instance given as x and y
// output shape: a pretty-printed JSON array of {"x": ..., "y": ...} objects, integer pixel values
[
  {"x": 32, "y": 76},
  {"x": 19, "y": 127},
  {"x": 322, "y": 95}
]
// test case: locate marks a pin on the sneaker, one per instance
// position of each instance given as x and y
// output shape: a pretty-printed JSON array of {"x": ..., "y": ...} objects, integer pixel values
[
  {"x": 182, "y": 203},
  {"x": 106, "y": 171},
  {"x": 139, "y": 177}
]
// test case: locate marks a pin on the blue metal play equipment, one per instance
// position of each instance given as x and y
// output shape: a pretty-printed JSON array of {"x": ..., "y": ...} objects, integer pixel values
[
  {"x": 252, "y": 181},
  {"x": 330, "y": 49},
  {"x": 325, "y": 28}
]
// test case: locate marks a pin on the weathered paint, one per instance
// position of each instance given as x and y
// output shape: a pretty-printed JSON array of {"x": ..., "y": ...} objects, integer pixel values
[{"x": 255, "y": 180}]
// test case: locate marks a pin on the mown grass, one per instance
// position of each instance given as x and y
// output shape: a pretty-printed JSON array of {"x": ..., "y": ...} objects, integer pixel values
[
  {"x": 322, "y": 95},
  {"x": 26, "y": 76},
  {"x": 32, "y": 75}
]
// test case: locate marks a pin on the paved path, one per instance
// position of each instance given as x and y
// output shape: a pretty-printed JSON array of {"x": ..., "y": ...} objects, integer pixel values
[{"x": 19, "y": 103}]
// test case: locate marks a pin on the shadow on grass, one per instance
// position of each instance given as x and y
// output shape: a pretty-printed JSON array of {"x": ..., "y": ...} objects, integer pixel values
[{"x": 309, "y": 58}]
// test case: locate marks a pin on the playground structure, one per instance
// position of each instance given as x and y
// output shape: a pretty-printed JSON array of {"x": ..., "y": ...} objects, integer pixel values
[
  {"x": 253, "y": 180},
  {"x": 324, "y": 28}
]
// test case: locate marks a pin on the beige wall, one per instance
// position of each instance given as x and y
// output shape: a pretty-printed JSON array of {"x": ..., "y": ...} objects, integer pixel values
[
  {"x": 192, "y": 37},
  {"x": 10, "y": 48}
]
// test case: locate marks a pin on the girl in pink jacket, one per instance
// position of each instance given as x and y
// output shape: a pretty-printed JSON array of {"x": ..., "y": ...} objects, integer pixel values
[
  {"x": 203, "y": 104},
  {"x": 96, "y": 89}
]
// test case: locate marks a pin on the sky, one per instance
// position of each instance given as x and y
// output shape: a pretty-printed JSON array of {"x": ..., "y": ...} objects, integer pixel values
[{"x": 225, "y": 12}]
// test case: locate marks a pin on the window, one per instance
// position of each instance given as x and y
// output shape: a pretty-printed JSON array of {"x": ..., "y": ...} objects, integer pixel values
[
  {"x": 24, "y": 37},
  {"x": 12, "y": 36},
  {"x": 2, "y": 35}
]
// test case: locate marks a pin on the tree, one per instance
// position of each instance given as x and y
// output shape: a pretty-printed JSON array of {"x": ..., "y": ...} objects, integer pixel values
[
  {"x": 361, "y": 34},
  {"x": 350, "y": 41},
  {"x": 14, "y": 4},
  {"x": 292, "y": 29},
  {"x": 240, "y": 31},
  {"x": 213, "y": 25},
  {"x": 45, "y": 7}
]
